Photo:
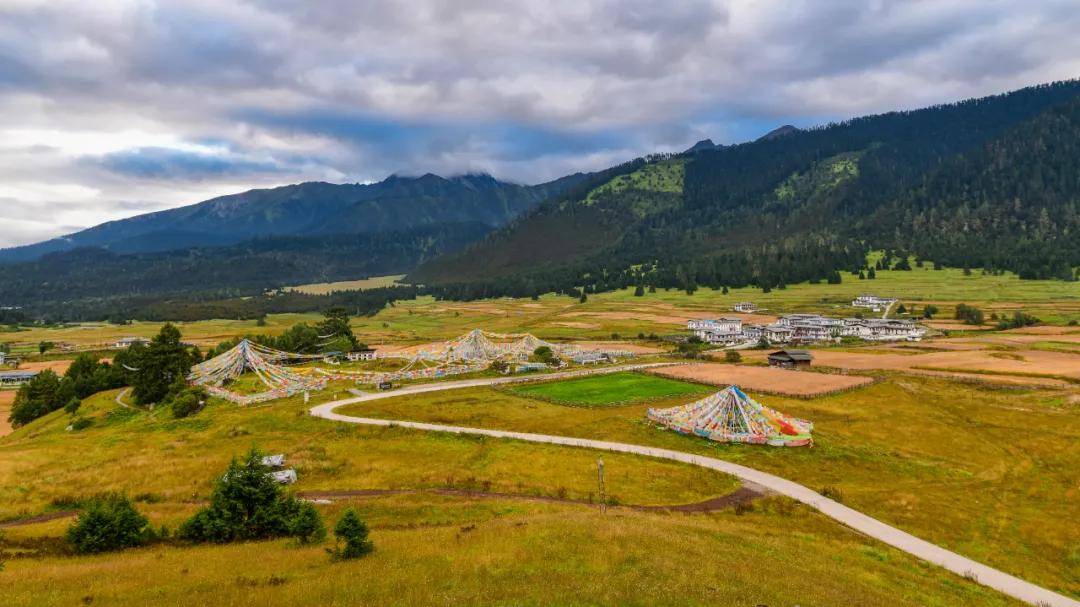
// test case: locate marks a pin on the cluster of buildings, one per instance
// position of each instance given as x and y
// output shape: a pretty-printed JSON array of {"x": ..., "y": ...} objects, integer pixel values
[{"x": 805, "y": 328}]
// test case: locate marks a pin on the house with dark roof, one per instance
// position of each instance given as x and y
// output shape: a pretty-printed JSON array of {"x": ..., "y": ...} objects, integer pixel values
[{"x": 790, "y": 359}]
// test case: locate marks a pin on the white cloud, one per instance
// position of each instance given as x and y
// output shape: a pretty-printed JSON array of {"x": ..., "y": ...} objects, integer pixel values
[{"x": 114, "y": 107}]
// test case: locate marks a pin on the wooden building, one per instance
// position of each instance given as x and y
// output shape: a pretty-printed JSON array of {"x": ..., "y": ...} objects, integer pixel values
[{"x": 790, "y": 359}]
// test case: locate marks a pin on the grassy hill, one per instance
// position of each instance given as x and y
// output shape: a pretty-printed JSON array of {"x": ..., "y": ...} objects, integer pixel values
[{"x": 463, "y": 549}]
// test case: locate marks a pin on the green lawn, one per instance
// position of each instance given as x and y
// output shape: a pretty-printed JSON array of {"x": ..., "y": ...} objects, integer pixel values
[{"x": 608, "y": 390}]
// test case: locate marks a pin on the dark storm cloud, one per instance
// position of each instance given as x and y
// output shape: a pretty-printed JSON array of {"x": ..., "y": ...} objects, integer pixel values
[{"x": 114, "y": 106}]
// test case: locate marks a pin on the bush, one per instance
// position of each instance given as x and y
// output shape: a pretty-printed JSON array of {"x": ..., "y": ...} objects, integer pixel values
[
  {"x": 247, "y": 504},
  {"x": 354, "y": 533},
  {"x": 1019, "y": 319},
  {"x": 969, "y": 314},
  {"x": 306, "y": 525},
  {"x": 187, "y": 402},
  {"x": 545, "y": 355},
  {"x": 108, "y": 523},
  {"x": 81, "y": 423},
  {"x": 72, "y": 406},
  {"x": 732, "y": 356}
]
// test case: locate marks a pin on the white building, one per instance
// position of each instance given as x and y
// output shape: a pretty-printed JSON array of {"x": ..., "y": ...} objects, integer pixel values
[
  {"x": 358, "y": 355},
  {"x": 876, "y": 329},
  {"x": 778, "y": 334},
  {"x": 745, "y": 307},
  {"x": 873, "y": 302},
  {"x": 125, "y": 342},
  {"x": 717, "y": 331}
]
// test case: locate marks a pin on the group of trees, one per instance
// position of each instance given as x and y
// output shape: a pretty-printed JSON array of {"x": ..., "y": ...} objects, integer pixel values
[
  {"x": 48, "y": 392},
  {"x": 157, "y": 372},
  {"x": 970, "y": 315},
  {"x": 246, "y": 504},
  {"x": 331, "y": 334}
]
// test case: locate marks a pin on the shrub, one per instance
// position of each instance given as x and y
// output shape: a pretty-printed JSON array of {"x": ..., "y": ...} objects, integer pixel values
[
  {"x": 969, "y": 314},
  {"x": 72, "y": 406},
  {"x": 247, "y": 504},
  {"x": 187, "y": 403},
  {"x": 732, "y": 356},
  {"x": 81, "y": 423},
  {"x": 354, "y": 533},
  {"x": 832, "y": 493},
  {"x": 1019, "y": 319},
  {"x": 108, "y": 523},
  {"x": 306, "y": 525},
  {"x": 545, "y": 355}
]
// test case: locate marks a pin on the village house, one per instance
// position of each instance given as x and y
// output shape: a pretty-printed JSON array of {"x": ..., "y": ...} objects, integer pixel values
[
  {"x": 790, "y": 359},
  {"x": 124, "y": 342},
  {"x": 361, "y": 354},
  {"x": 876, "y": 329},
  {"x": 717, "y": 331},
  {"x": 778, "y": 334},
  {"x": 745, "y": 307},
  {"x": 873, "y": 302}
]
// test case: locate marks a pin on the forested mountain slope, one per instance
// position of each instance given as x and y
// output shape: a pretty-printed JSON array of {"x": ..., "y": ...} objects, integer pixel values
[
  {"x": 396, "y": 203},
  {"x": 64, "y": 284},
  {"x": 989, "y": 182}
]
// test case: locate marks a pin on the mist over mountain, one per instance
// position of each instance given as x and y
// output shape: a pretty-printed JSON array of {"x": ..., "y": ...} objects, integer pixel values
[{"x": 310, "y": 209}]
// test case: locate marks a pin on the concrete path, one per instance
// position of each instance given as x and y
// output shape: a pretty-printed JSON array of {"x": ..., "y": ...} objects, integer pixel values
[{"x": 988, "y": 576}]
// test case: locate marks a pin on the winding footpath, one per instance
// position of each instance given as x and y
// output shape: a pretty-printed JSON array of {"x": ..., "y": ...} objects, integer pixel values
[{"x": 960, "y": 565}]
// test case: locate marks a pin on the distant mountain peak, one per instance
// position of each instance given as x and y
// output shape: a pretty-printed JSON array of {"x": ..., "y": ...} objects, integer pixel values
[
  {"x": 780, "y": 131},
  {"x": 701, "y": 146}
]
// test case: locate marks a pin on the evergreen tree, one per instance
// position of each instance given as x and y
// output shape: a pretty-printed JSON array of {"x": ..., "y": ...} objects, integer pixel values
[
  {"x": 352, "y": 530},
  {"x": 163, "y": 362}
]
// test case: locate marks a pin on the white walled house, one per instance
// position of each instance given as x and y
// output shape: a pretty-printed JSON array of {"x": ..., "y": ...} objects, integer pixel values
[
  {"x": 873, "y": 302},
  {"x": 125, "y": 342},
  {"x": 745, "y": 307},
  {"x": 718, "y": 330}
]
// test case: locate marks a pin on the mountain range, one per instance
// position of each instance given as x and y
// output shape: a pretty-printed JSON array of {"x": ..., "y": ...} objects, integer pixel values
[
  {"x": 310, "y": 209},
  {"x": 991, "y": 183}
]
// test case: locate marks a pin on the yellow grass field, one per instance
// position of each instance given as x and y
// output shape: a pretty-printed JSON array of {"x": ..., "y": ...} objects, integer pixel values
[
  {"x": 7, "y": 397},
  {"x": 458, "y": 550},
  {"x": 988, "y": 472},
  {"x": 970, "y": 440},
  {"x": 323, "y": 288}
]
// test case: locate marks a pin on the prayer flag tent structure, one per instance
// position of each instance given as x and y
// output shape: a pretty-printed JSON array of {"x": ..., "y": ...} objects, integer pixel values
[
  {"x": 266, "y": 363},
  {"x": 731, "y": 416}
]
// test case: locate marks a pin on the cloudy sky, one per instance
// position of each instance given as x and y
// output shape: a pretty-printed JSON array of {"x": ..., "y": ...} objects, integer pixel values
[{"x": 113, "y": 108}]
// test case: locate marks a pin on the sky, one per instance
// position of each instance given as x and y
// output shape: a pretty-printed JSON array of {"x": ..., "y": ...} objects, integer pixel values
[{"x": 115, "y": 108}]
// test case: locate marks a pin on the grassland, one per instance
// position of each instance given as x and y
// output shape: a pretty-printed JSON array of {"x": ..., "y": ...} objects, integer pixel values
[
  {"x": 323, "y": 288},
  {"x": 664, "y": 176},
  {"x": 430, "y": 548},
  {"x": 608, "y": 390},
  {"x": 663, "y": 312},
  {"x": 989, "y": 473}
]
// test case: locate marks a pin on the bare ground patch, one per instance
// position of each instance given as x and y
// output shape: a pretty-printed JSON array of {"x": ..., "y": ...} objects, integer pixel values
[
  {"x": 765, "y": 379},
  {"x": 6, "y": 398}
]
